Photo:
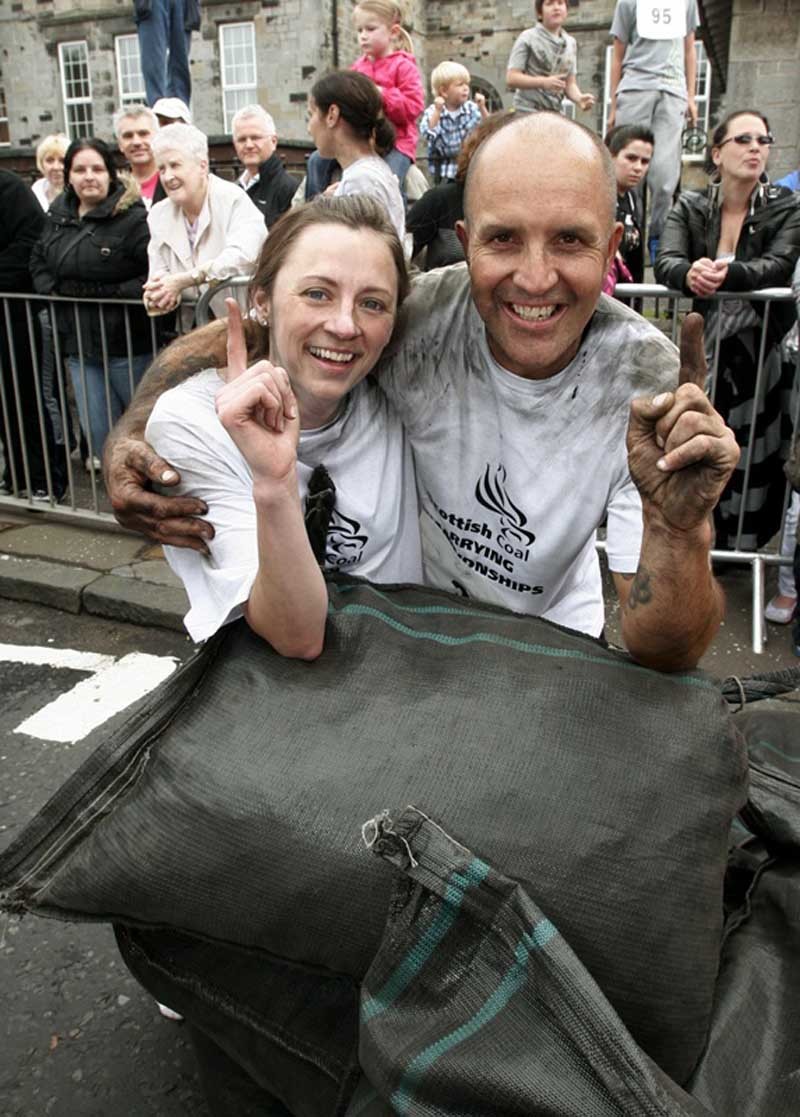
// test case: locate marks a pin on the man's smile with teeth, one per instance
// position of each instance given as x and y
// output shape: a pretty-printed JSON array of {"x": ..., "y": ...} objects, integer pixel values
[
  {"x": 331, "y": 355},
  {"x": 534, "y": 313}
]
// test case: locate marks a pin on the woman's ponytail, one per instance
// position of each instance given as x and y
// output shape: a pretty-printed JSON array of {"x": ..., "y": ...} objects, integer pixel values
[{"x": 384, "y": 135}]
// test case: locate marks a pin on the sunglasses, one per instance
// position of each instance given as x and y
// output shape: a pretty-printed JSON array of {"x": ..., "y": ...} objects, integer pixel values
[{"x": 746, "y": 138}]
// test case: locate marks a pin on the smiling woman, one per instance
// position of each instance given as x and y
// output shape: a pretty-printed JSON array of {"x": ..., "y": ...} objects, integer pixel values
[
  {"x": 94, "y": 246},
  {"x": 302, "y": 462},
  {"x": 205, "y": 231}
]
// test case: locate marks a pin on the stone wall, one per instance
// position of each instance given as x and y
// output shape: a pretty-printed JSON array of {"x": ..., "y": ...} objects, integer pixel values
[{"x": 297, "y": 40}]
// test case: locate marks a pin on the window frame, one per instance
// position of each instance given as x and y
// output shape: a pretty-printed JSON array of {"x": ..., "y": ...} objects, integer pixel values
[
  {"x": 68, "y": 102},
  {"x": 140, "y": 96},
  {"x": 227, "y": 88},
  {"x": 4, "y": 119}
]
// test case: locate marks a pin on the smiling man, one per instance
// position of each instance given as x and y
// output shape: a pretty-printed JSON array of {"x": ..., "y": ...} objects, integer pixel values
[
  {"x": 536, "y": 409},
  {"x": 134, "y": 127},
  {"x": 268, "y": 184}
]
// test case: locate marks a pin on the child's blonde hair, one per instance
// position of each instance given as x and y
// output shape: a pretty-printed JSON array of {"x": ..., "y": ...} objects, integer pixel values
[
  {"x": 446, "y": 73},
  {"x": 390, "y": 14}
]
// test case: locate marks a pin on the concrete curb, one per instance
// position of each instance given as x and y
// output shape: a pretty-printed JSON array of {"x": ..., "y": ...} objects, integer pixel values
[
  {"x": 135, "y": 601},
  {"x": 76, "y": 569},
  {"x": 46, "y": 583}
]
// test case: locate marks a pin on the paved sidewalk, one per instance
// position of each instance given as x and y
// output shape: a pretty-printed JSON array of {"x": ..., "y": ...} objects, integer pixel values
[{"x": 110, "y": 573}]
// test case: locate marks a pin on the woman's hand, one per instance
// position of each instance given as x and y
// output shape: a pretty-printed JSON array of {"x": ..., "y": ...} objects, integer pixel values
[
  {"x": 258, "y": 409},
  {"x": 706, "y": 276},
  {"x": 164, "y": 291}
]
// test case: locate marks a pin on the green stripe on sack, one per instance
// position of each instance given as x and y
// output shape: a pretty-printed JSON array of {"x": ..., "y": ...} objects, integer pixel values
[
  {"x": 540, "y": 935},
  {"x": 517, "y": 645},
  {"x": 457, "y": 885},
  {"x": 778, "y": 751}
]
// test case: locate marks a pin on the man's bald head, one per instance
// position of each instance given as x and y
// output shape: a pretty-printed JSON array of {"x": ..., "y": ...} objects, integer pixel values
[{"x": 546, "y": 135}]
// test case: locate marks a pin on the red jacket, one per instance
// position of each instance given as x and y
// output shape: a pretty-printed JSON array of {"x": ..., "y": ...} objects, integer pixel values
[{"x": 403, "y": 98}]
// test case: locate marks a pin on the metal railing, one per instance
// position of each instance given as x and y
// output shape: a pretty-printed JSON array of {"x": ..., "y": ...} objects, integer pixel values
[
  {"x": 55, "y": 406},
  {"x": 654, "y": 300},
  {"x": 38, "y": 399}
]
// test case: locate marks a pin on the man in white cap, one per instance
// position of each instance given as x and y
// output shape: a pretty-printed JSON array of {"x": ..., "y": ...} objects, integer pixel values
[
  {"x": 172, "y": 110},
  {"x": 165, "y": 31}
]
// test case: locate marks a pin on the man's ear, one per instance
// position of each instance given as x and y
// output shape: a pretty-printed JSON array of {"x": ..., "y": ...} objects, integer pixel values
[
  {"x": 614, "y": 242},
  {"x": 463, "y": 235}
]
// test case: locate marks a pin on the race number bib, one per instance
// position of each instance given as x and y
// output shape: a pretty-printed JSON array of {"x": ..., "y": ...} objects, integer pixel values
[{"x": 661, "y": 19}]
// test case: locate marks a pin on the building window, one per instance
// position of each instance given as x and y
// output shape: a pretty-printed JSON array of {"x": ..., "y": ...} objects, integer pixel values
[
  {"x": 694, "y": 139},
  {"x": 237, "y": 51},
  {"x": 76, "y": 88},
  {"x": 694, "y": 142},
  {"x": 5, "y": 138},
  {"x": 129, "y": 70}
]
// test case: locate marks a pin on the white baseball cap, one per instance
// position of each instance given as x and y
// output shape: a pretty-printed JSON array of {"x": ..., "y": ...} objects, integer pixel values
[{"x": 173, "y": 108}]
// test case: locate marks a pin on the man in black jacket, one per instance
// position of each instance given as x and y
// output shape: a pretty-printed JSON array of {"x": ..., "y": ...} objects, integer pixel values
[
  {"x": 24, "y": 420},
  {"x": 269, "y": 186}
]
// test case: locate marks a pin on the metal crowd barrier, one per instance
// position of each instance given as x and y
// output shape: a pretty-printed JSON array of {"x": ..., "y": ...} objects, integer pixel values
[
  {"x": 664, "y": 307},
  {"x": 50, "y": 460},
  {"x": 43, "y": 386}
]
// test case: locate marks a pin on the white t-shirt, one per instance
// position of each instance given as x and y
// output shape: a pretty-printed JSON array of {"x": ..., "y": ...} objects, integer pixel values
[
  {"x": 514, "y": 475},
  {"x": 374, "y": 531},
  {"x": 651, "y": 63},
  {"x": 373, "y": 176}
]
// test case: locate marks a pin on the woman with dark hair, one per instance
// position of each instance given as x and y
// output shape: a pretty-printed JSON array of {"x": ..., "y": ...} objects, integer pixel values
[
  {"x": 302, "y": 462},
  {"x": 631, "y": 150},
  {"x": 346, "y": 122},
  {"x": 741, "y": 234},
  {"x": 94, "y": 246}
]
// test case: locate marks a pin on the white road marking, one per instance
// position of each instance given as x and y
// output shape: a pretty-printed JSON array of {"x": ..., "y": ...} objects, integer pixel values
[{"x": 114, "y": 685}]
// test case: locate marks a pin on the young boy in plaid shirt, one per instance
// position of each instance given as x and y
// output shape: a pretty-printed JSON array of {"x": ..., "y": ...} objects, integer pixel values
[{"x": 450, "y": 119}]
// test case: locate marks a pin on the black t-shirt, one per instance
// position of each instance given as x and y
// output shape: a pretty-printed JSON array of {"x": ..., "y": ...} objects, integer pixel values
[{"x": 631, "y": 246}]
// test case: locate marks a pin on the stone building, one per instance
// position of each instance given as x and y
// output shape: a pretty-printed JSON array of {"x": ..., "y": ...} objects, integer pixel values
[{"x": 66, "y": 69}]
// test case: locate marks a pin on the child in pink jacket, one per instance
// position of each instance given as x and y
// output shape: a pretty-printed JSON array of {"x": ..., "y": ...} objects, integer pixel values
[{"x": 378, "y": 25}]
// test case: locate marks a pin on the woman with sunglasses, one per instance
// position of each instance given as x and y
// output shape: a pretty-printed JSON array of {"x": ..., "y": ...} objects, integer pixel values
[{"x": 741, "y": 234}]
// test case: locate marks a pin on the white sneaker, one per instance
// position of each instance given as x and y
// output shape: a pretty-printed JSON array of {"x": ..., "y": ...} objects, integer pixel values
[{"x": 780, "y": 614}]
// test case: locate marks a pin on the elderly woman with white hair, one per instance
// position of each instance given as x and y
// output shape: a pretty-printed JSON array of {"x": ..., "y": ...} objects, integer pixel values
[
  {"x": 205, "y": 231},
  {"x": 267, "y": 182}
]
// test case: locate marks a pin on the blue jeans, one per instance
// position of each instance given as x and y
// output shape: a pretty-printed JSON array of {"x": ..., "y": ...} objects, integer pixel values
[
  {"x": 96, "y": 412},
  {"x": 163, "y": 30}
]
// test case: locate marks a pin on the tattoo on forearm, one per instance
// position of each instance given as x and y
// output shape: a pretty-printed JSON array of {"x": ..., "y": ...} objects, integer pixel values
[{"x": 641, "y": 589}]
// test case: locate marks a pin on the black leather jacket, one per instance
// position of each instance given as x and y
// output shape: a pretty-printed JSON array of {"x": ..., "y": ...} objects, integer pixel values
[
  {"x": 273, "y": 192},
  {"x": 100, "y": 256},
  {"x": 768, "y": 248}
]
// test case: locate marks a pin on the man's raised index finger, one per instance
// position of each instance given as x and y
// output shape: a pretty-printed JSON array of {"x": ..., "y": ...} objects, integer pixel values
[
  {"x": 693, "y": 357},
  {"x": 236, "y": 346}
]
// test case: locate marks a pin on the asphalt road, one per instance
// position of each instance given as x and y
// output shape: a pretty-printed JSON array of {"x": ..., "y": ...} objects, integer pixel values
[{"x": 79, "y": 1037}]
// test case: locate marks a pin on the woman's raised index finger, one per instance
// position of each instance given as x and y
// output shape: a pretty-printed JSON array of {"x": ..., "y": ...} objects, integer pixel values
[
  {"x": 236, "y": 346},
  {"x": 693, "y": 358}
]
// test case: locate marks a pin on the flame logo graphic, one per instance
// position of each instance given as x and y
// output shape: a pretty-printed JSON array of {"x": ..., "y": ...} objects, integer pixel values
[
  {"x": 491, "y": 493},
  {"x": 344, "y": 540}
]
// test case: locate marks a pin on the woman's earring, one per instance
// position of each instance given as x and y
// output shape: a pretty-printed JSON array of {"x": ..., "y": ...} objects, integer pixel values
[{"x": 259, "y": 315}]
